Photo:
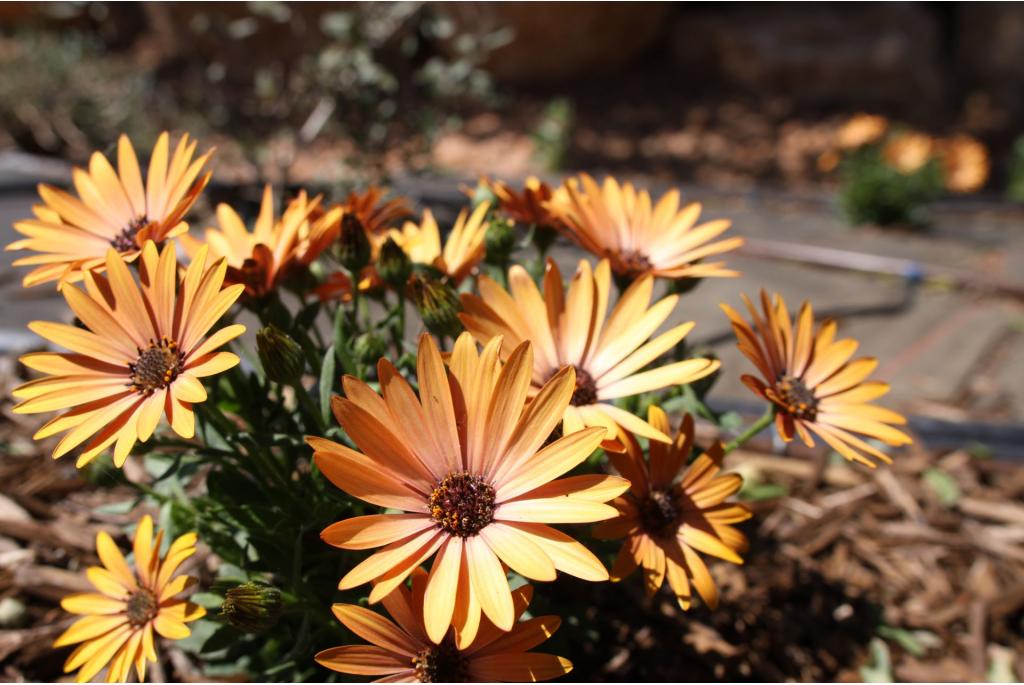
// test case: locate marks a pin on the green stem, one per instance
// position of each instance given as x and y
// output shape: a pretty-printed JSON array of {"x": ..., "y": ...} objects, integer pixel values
[
  {"x": 354, "y": 320},
  {"x": 503, "y": 267},
  {"x": 309, "y": 406},
  {"x": 398, "y": 327},
  {"x": 214, "y": 418},
  {"x": 757, "y": 427},
  {"x": 698, "y": 405},
  {"x": 146, "y": 490}
]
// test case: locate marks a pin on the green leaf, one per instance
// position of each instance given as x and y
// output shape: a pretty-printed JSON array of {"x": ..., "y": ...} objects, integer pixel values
[
  {"x": 943, "y": 485},
  {"x": 223, "y": 638},
  {"x": 756, "y": 492},
  {"x": 207, "y": 600},
  {"x": 116, "y": 507},
  {"x": 202, "y": 630},
  {"x": 327, "y": 385},
  {"x": 915, "y": 642},
  {"x": 1000, "y": 665},
  {"x": 879, "y": 668},
  {"x": 731, "y": 421}
]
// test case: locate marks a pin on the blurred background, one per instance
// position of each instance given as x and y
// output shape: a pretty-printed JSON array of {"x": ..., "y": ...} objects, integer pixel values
[{"x": 913, "y": 573}]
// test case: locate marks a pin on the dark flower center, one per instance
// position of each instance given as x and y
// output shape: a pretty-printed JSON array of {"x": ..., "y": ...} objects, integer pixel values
[
  {"x": 440, "y": 664},
  {"x": 462, "y": 504},
  {"x": 142, "y": 607},
  {"x": 156, "y": 367},
  {"x": 660, "y": 511},
  {"x": 125, "y": 240},
  {"x": 634, "y": 264},
  {"x": 586, "y": 389},
  {"x": 796, "y": 398},
  {"x": 252, "y": 274}
]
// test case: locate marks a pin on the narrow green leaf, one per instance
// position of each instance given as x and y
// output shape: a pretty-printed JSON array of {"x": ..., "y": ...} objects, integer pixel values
[
  {"x": 879, "y": 669},
  {"x": 327, "y": 372},
  {"x": 943, "y": 485}
]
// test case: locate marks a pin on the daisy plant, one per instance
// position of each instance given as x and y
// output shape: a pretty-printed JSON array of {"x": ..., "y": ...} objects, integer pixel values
[{"x": 342, "y": 456}]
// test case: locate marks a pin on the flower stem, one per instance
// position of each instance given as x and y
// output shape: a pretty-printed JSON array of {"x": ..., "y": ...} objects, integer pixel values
[
  {"x": 757, "y": 427},
  {"x": 309, "y": 407}
]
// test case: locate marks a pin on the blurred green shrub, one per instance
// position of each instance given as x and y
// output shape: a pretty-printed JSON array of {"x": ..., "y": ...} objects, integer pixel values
[
  {"x": 271, "y": 75},
  {"x": 1015, "y": 180},
  {"x": 61, "y": 93},
  {"x": 874, "y": 191},
  {"x": 552, "y": 137}
]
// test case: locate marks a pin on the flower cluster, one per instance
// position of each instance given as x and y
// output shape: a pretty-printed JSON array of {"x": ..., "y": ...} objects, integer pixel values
[
  {"x": 461, "y": 445},
  {"x": 889, "y": 171}
]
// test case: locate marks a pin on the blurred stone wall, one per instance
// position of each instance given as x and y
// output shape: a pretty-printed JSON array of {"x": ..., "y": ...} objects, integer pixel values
[{"x": 915, "y": 54}]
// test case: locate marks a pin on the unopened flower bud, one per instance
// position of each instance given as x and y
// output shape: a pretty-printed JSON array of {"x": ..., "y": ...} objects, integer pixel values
[
  {"x": 369, "y": 348},
  {"x": 438, "y": 305},
  {"x": 393, "y": 264},
  {"x": 353, "y": 247},
  {"x": 280, "y": 356},
  {"x": 500, "y": 240},
  {"x": 252, "y": 607}
]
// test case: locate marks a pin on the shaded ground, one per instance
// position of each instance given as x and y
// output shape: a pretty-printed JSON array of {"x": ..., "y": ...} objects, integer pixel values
[{"x": 922, "y": 561}]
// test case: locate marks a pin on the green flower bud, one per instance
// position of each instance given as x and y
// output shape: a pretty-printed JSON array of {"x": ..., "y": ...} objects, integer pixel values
[
  {"x": 483, "y": 193},
  {"x": 438, "y": 305},
  {"x": 353, "y": 249},
  {"x": 543, "y": 237},
  {"x": 393, "y": 264},
  {"x": 280, "y": 356},
  {"x": 500, "y": 240},
  {"x": 369, "y": 348},
  {"x": 252, "y": 607}
]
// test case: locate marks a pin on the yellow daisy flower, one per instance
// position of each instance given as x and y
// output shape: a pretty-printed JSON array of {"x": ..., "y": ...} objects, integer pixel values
[
  {"x": 463, "y": 250},
  {"x": 813, "y": 384},
  {"x": 400, "y": 651},
  {"x": 140, "y": 354},
  {"x": 118, "y": 621},
  {"x": 113, "y": 209},
  {"x": 261, "y": 258},
  {"x": 639, "y": 236},
  {"x": 667, "y": 520},
  {"x": 572, "y": 327},
  {"x": 466, "y": 463}
]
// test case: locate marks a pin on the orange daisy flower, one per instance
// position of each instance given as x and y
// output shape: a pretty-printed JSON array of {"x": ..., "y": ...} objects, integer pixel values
[
  {"x": 402, "y": 652},
  {"x": 667, "y": 520},
  {"x": 572, "y": 328},
  {"x": 374, "y": 213},
  {"x": 638, "y": 236},
  {"x": 861, "y": 129},
  {"x": 119, "y": 620},
  {"x": 463, "y": 250},
  {"x": 467, "y": 464},
  {"x": 813, "y": 384},
  {"x": 140, "y": 354},
  {"x": 262, "y": 258},
  {"x": 529, "y": 207},
  {"x": 113, "y": 209},
  {"x": 909, "y": 151},
  {"x": 965, "y": 163}
]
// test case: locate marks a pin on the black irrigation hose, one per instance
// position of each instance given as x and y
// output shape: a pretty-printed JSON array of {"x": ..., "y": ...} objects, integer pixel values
[{"x": 1003, "y": 441}]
